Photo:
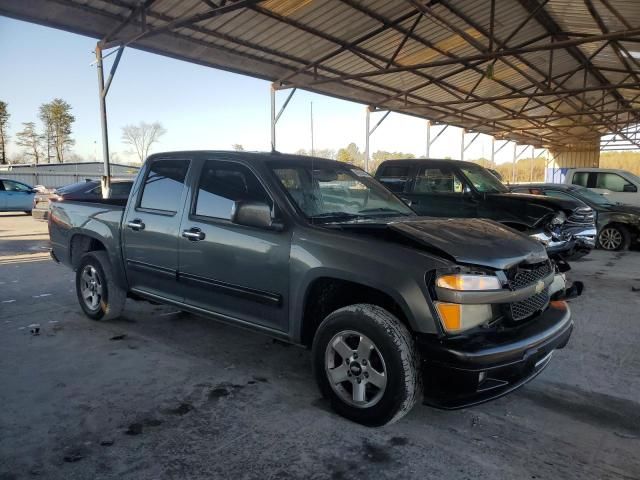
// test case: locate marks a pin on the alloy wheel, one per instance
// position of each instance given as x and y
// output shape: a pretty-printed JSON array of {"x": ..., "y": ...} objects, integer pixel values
[
  {"x": 355, "y": 369},
  {"x": 610, "y": 239},
  {"x": 91, "y": 287}
]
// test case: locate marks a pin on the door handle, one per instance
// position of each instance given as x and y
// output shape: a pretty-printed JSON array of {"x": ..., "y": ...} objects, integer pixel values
[
  {"x": 193, "y": 234},
  {"x": 136, "y": 224}
]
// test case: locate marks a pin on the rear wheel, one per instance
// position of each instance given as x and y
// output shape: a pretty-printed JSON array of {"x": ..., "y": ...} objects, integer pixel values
[
  {"x": 614, "y": 237},
  {"x": 366, "y": 364},
  {"x": 98, "y": 294}
]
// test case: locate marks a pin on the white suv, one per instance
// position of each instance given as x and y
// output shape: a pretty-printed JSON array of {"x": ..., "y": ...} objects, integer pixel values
[{"x": 617, "y": 185}]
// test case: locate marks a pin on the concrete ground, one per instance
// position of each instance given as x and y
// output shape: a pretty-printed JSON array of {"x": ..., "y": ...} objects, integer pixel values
[{"x": 165, "y": 395}]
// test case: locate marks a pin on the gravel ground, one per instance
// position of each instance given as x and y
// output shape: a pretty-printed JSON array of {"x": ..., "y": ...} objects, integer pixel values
[{"x": 164, "y": 395}]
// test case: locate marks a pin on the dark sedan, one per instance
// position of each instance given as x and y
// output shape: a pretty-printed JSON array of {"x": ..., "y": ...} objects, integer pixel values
[
  {"x": 81, "y": 191},
  {"x": 618, "y": 224}
]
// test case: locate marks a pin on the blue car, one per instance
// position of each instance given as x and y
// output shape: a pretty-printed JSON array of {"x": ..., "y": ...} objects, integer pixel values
[{"x": 16, "y": 196}]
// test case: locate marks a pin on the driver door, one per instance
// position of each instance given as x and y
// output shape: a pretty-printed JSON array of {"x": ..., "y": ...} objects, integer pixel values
[{"x": 236, "y": 271}]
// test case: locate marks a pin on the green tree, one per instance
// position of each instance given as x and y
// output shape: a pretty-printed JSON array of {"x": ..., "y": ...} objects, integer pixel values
[
  {"x": 4, "y": 136},
  {"x": 30, "y": 140},
  {"x": 351, "y": 154},
  {"x": 46, "y": 117},
  {"x": 381, "y": 155},
  {"x": 237, "y": 147},
  {"x": 57, "y": 117},
  {"x": 321, "y": 153}
]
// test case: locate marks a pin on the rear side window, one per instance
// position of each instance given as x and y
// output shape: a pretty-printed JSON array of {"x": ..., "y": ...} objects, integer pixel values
[
  {"x": 611, "y": 181},
  {"x": 10, "y": 186},
  {"x": 580, "y": 178},
  {"x": 394, "y": 177},
  {"x": 120, "y": 189},
  {"x": 164, "y": 184},
  {"x": 437, "y": 180},
  {"x": 224, "y": 183}
]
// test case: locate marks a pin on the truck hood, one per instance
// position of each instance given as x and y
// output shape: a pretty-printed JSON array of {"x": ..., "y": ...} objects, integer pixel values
[{"x": 471, "y": 241}]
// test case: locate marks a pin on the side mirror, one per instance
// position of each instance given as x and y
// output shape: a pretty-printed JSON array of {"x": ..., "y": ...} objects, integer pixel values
[
  {"x": 254, "y": 214},
  {"x": 629, "y": 188}
]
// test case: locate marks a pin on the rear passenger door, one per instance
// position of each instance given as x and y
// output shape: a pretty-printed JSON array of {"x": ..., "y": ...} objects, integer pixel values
[
  {"x": 236, "y": 271},
  {"x": 151, "y": 228},
  {"x": 439, "y": 192}
]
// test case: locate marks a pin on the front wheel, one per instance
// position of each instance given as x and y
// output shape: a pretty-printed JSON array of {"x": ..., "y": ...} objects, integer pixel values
[
  {"x": 614, "y": 237},
  {"x": 99, "y": 296},
  {"x": 366, "y": 363}
]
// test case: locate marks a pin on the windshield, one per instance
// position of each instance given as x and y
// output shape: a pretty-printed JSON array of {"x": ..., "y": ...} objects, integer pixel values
[
  {"x": 337, "y": 193},
  {"x": 591, "y": 196},
  {"x": 482, "y": 180}
]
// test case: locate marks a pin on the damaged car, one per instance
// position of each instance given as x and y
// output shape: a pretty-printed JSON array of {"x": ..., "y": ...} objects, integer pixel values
[
  {"x": 450, "y": 188},
  {"x": 394, "y": 307}
]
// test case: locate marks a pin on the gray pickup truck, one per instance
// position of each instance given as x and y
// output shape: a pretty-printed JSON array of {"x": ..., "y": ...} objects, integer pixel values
[{"x": 395, "y": 307}]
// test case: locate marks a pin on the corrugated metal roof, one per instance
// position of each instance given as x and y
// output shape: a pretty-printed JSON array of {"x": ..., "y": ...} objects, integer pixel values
[{"x": 431, "y": 61}]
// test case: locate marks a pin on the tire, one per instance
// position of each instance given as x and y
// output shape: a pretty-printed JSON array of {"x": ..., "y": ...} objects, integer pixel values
[
  {"x": 375, "y": 399},
  {"x": 614, "y": 237},
  {"x": 95, "y": 276},
  {"x": 28, "y": 212}
]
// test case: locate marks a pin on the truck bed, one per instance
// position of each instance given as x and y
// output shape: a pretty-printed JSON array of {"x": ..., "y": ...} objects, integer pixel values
[{"x": 100, "y": 219}]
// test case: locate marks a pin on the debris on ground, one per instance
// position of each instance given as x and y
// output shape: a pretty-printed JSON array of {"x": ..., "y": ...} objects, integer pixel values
[
  {"x": 134, "y": 429},
  {"x": 106, "y": 443},
  {"x": 122, "y": 336},
  {"x": 34, "y": 328},
  {"x": 635, "y": 289}
]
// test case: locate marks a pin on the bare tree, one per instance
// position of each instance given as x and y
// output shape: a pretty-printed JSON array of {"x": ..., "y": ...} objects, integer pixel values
[
  {"x": 142, "y": 137},
  {"x": 4, "y": 136},
  {"x": 30, "y": 140}
]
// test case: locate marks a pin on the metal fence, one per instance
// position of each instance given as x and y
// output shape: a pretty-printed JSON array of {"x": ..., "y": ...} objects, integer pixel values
[{"x": 65, "y": 174}]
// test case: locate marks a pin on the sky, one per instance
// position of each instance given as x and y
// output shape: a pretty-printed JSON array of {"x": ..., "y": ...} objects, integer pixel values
[{"x": 200, "y": 107}]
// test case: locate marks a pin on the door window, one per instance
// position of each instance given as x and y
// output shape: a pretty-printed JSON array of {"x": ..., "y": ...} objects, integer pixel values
[
  {"x": 437, "y": 180},
  {"x": 394, "y": 177},
  {"x": 163, "y": 185},
  {"x": 580, "y": 178},
  {"x": 612, "y": 181},
  {"x": 10, "y": 186},
  {"x": 222, "y": 184}
]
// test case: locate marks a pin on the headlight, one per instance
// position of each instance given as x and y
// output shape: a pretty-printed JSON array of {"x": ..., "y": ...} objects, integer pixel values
[
  {"x": 468, "y": 282},
  {"x": 559, "y": 219},
  {"x": 457, "y": 317}
]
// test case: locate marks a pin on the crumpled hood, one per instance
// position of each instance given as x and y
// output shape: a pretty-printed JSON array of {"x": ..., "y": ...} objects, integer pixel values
[{"x": 472, "y": 240}]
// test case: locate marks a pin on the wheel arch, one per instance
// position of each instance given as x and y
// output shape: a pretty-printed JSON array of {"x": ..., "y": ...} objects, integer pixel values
[
  {"x": 328, "y": 293},
  {"x": 84, "y": 242}
]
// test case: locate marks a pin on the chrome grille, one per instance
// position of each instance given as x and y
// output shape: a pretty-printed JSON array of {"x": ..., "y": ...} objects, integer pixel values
[
  {"x": 526, "y": 276},
  {"x": 526, "y": 308},
  {"x": 582, "y": 215}
]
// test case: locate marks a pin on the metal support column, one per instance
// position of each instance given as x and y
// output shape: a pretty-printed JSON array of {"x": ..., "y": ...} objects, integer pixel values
[
  {"x": 513, "y": 166},
  {"x": 106, "y": 174},
  {"x": 533, "y": 154},
  {"x": 464, "y": 147},
  {"x": 368, "y": 134},
  {"x": 274, "y": 117},
  {"x": 462, "y": 144},
  {"x": 428, "y": 137},
  {"x": 493, "y": 151},
  {"x": 103, "y": 90}
]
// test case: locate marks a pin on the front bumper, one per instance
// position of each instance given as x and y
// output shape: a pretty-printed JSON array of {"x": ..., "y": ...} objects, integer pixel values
[{"x": 466, "y": 371}]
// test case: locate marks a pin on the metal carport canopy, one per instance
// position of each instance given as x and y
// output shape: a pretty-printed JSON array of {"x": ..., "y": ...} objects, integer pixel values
[{"x": 550, "y": 73}]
